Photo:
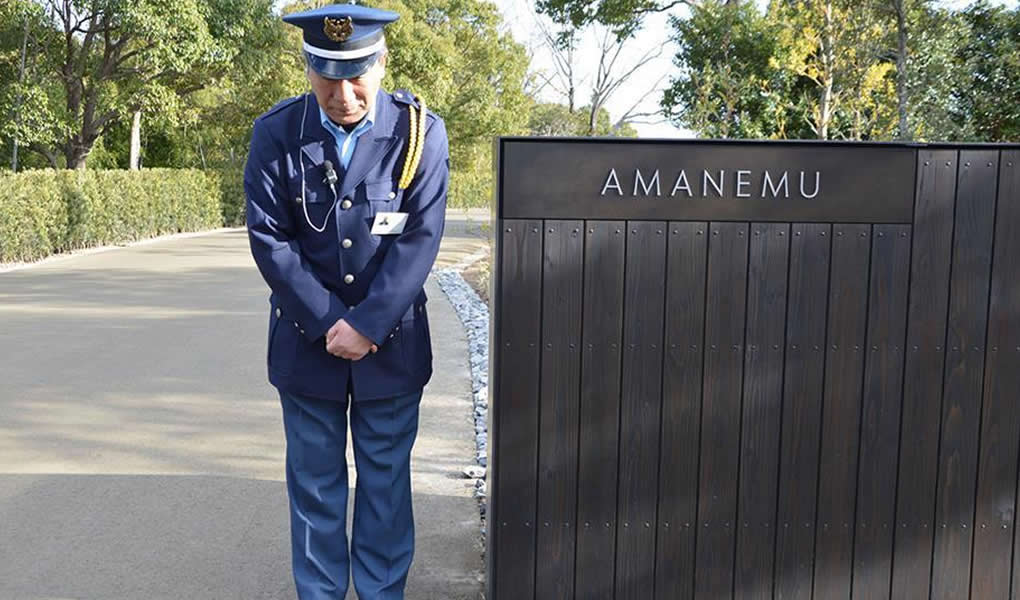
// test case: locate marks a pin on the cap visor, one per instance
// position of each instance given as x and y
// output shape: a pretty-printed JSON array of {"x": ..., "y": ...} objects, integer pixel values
[{"x": 340, "y": 69}]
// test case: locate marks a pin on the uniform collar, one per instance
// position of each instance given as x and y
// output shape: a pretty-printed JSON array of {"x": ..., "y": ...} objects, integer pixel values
[
  {"x": 339, "y": 132},
  {"x": 383, "y": 115},
  {"x": 318, "y": 143}
]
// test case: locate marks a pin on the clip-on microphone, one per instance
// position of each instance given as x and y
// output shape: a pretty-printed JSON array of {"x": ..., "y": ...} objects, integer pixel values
[{"x": 331, "y": 177}]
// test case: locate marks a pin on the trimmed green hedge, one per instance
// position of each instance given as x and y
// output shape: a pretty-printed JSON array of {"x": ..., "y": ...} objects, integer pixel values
[
  {"x": 469, "y": 189},
  {"x": 231, "y": 186},
  {"x": 44, "y": 212}
]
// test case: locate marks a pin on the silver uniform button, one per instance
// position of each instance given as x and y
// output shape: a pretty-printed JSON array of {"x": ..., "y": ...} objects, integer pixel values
[
  {"x": 348, "y": 278},
  {"x": 393, "y": 195},
  {"x": 347, "y": 243},
  {"x": 345, "y": 204},
  {"x": 277, "y": 313}
]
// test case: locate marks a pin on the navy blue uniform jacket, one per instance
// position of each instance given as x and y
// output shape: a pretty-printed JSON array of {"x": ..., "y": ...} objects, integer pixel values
[{"x": 306, "y": 269}]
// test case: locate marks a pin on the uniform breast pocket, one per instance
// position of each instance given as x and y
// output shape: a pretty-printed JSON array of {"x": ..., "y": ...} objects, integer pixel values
[
  {"x": 315, "y": 210},
  {"x": 383, "y": 196}
]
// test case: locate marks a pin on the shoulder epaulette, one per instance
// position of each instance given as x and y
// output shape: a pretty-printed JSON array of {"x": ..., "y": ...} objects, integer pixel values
[
  {"x": 405, "y": 97},
  {"x": 415, "y": 136}
]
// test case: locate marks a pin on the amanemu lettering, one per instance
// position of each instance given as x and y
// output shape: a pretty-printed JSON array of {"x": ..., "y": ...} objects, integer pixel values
[{"x": 745, "y": 184}]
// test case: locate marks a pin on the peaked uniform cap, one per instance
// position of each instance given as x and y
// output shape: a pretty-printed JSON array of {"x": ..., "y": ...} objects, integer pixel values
[{"x": 342, "y": 41}]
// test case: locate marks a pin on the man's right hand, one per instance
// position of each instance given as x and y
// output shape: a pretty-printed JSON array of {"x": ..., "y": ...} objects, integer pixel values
[{"x": 344, "y": 341}]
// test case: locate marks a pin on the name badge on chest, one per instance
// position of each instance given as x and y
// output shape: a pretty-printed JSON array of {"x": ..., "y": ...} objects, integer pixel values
[{"x": 389, "y": 223}]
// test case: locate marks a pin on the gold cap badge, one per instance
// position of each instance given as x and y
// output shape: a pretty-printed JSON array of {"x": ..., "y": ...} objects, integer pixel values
[{"x": 338, "y": 30}]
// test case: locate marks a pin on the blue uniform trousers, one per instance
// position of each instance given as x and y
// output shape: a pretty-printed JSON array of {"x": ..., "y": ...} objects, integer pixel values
[{"x": 382, "y": 537}]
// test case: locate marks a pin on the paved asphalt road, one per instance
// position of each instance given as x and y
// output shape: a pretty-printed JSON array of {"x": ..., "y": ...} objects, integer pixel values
[{"x": 141, "y": 447}]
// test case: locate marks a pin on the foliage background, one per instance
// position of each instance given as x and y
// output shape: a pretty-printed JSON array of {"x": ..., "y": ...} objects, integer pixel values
[{"x": 195, "y": 74}]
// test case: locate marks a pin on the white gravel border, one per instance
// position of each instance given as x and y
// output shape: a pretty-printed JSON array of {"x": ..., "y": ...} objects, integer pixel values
[{"x": 474, "y": 315}]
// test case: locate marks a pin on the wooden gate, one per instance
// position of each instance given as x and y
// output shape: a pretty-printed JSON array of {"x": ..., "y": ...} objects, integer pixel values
[{"x": 754, "y": 370}]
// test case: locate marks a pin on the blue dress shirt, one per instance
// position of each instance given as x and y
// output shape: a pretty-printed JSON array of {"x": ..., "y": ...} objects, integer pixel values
[{"x": 346, "y": 142}]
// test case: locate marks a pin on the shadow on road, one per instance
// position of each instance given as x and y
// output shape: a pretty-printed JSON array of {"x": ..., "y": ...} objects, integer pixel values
[{"x": 114, "y": 537}]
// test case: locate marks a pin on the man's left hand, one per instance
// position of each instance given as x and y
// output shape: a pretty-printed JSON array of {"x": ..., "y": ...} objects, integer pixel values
[{"x": 344, "y": 341}]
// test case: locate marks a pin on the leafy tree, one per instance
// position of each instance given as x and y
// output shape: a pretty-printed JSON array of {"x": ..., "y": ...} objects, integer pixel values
[
  {"x": 27, "y": 113},
  {"x": 936, "y": 76},
  {"x": 119, "y": 57},
  {"x": 624, "y": 17},
  {"x": 867, "y": 73},
  {"x": 835, "y": 46},
  {"x": 456, "y": 55},
  {"x": 803, "y": 69},
  {"x": 111, "y": 58},
  {"x": 214, "y": 126},
  {"x": 729, "y": 82},
  {"x": 551, "y": 119},
  {"x": 991, "y": 54}
]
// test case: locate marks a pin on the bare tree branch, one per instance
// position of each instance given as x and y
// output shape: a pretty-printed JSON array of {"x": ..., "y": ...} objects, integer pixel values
[
  {"x": 563, "y": 62},
  {"x": 606, "y": 84},
  {"x": 630, "y": 116}
]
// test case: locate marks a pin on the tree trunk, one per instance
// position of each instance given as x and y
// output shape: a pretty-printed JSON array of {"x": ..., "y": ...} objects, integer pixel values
[
  {"x": 901, "y": 69},
  {"x": 201, "y": 153},
  {"x": 17, "y": 105},
  {"x": 570, "y": 77},
  {"x": 76, "y": 153},
  {"x": 136, "y": 140},
  {"x": 77, "y": 149},
  {"x": 828, "y": 64}
]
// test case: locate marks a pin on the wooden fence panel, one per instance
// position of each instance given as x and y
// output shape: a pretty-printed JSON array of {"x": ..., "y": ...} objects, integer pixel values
[
  {"x": 922, "y": 393},
  {"x": 720, "y": 415},
  {"x": 600, "y": 406},
  {"x": 762, "y": 409},
  {"x": 562, "y": 284},
  {"x": 640, "y": 405},
  {"x": 802, "y": 410},
  {"x": 964, "y": 374},
  {"x": 880, "y": 412},
  {"x": 681, "y": 410},
  {"x": 1000, "y": 431},
  {"x": 837, "y": 485},
  {"x": 514, "y": 493}
]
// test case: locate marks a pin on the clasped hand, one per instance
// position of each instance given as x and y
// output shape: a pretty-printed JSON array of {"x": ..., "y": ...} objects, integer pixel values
[{"x": 344, "y": 341}]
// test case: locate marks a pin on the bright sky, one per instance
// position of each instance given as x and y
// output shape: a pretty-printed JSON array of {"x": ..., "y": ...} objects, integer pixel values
[{"x": 520, "y": 18}]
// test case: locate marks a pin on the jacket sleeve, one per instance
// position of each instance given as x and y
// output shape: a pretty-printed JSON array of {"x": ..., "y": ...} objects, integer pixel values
[
  {"x": 410, "y": 257},
  {"x": 272, "y": 236}
]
